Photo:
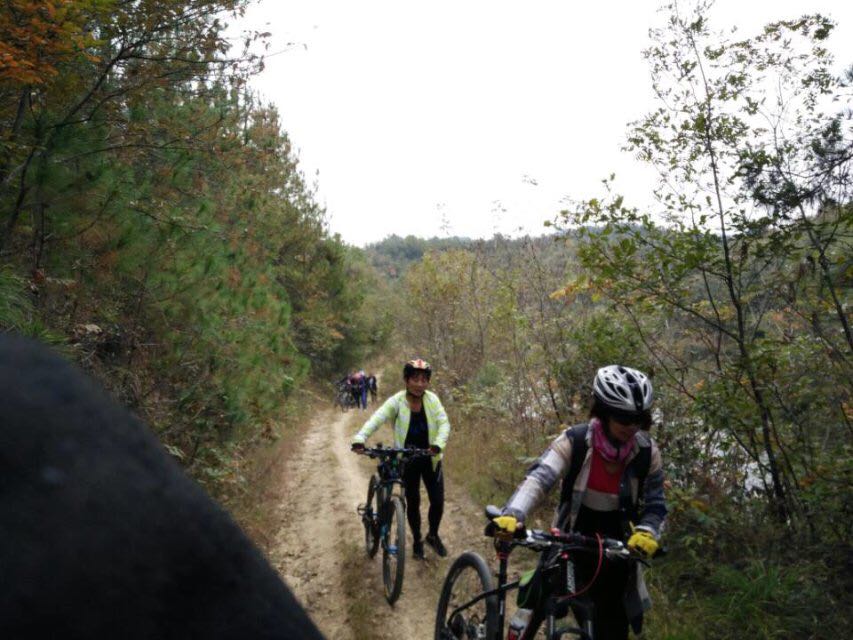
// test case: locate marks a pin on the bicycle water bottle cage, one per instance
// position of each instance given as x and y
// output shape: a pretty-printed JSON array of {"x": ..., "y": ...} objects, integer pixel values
[{"x": 531, "y": 590}]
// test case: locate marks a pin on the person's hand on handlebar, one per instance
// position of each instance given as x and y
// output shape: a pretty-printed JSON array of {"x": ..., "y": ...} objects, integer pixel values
[
  {"x": 508, "y": 523},
  {"x": 643, "y": 542},
  {"x": 358, "y": 447}
]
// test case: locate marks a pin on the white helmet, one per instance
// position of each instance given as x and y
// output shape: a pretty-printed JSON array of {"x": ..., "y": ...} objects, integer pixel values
[{"x": 623, "y": 389}]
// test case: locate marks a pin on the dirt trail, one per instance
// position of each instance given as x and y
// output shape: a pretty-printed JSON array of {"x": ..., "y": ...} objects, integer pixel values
[{"x": 320, "y": 489}]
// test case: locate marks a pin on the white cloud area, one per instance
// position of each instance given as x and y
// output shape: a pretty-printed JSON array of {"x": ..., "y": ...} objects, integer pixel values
[{"x": 470, "y": 117}]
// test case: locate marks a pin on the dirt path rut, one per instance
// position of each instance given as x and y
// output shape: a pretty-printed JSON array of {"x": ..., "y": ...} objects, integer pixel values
[{"x": 320, "y": 489}]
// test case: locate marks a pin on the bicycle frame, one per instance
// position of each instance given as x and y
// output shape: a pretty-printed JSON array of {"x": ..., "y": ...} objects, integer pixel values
[
  {"x": 553, "y": 594},
  {"x": 389, "y": 473},
  {"x": 544, "y": 613},
  {"x": 386, "y": 526}
]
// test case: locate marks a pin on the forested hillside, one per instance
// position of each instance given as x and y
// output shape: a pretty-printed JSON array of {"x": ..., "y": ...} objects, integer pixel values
[
  {"x": 393, "y": 255},
  {"x": 156, "y": 226}
]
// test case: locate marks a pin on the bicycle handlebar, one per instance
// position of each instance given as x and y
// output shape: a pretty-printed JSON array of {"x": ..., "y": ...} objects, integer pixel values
[
  {"x": 390, "y": 452},
  {"x": 613, "y": 549},
  {"x": 539, "y": 540}
]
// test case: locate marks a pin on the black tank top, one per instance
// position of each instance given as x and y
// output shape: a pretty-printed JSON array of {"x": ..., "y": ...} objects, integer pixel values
[{"x": 418, "y": 434}]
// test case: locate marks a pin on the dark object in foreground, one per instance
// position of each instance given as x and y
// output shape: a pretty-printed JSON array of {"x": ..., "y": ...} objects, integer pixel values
[{"x": 102, "y": 535}]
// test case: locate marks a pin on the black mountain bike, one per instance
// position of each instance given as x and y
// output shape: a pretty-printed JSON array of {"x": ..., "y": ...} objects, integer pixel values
[
  {"x": 384, "y": 514},
  {"x": 471, "y": 606}
]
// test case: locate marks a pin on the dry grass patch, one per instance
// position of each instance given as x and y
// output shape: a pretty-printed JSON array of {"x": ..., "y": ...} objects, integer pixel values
[{"x": 360, "y": 588}]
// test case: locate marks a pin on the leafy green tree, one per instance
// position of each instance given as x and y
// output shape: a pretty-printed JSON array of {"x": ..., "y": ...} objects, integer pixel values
[
  {"x": 92, "y": 80},
  {"x": 713, "y": 260}
]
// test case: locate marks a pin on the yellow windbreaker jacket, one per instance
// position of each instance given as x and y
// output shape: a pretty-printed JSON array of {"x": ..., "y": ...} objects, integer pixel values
[{"x": 396, "y": 411}]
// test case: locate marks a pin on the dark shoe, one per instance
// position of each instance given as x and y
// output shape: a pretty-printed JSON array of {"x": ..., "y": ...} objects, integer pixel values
[
  {"x": 418, "y": 549},
  {"x": 434, "y": 541}
]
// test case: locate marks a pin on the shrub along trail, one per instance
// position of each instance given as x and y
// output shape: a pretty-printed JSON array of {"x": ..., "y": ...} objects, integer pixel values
[{"x": 319, "y": 548}]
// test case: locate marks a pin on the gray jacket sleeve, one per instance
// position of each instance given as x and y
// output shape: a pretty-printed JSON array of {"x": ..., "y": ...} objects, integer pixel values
[{"x": 541, "y": 478}]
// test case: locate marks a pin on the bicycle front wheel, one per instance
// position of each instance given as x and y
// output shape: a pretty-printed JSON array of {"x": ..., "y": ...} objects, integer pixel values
[
  {"x": 468, "y": 577},
  {"x": 370, "y": 519},
  {"x": 394, "y": 548}
]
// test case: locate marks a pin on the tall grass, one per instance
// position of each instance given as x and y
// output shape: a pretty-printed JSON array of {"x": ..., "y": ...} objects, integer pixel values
[
  {"x": 17, "y": 313},
  {"x": 15, "y": 308},
  {"x": 788, "y": 596}
]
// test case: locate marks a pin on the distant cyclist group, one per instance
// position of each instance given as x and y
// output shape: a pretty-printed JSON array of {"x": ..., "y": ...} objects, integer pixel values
[
  {"x": 353, "y": 389},
  {"x": 608, "y": 521}
]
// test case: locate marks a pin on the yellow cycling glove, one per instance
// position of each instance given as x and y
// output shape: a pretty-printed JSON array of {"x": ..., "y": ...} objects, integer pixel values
[
  {"x": 506, "y": 523},
  {"x": 644, "y": 542}
]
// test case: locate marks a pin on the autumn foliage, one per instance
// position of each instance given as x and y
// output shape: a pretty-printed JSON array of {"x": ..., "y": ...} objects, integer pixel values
[{"x": 36, "y": 37}]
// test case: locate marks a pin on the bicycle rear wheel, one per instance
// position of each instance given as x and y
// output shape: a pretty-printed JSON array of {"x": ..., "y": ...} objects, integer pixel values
[
  {"x": 468, "y": 576},
  {"x": 370, "y": 519},
  {"x": 394, "y": 548}
]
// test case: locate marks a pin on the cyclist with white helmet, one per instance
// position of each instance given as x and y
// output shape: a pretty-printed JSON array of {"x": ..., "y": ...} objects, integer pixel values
[
  {"x": 612, "y": 485},
  {"x": 419, "y": 421}
]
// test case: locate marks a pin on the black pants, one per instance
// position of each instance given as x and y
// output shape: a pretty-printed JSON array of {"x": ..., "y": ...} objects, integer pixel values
[
  {"x": 606, "y": 593},
  {"x": 434, "y": 483}
]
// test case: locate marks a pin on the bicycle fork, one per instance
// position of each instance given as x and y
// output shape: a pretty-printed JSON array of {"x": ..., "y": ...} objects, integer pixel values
[
  {"x": 385, "y": 528},
  {"x": 383, "y": 533},
  {"x": 385, "y": 523}
]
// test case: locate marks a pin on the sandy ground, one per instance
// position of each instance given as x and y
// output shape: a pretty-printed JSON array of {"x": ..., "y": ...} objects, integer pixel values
[{"x": 320, "y": 488}]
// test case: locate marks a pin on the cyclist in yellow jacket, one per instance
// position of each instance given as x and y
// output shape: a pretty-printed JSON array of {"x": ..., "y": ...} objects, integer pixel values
[{"x": 419, "y": 420}]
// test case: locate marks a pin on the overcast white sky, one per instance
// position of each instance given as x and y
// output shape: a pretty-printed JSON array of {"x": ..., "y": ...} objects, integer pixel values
[{"x": 471, "y": 117}]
